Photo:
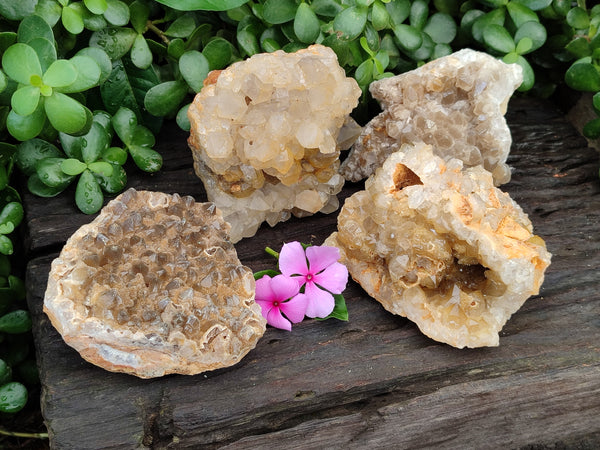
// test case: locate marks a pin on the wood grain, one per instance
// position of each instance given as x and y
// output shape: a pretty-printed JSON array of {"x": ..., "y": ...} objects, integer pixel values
[{"x": 375, "y": 381}]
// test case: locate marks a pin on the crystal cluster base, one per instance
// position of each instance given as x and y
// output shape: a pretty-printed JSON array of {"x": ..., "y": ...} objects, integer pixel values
[
  {"x": 264, "y": 136},
  {"x": 438, "y": 243},
  {"x": 455, "y": 103}
]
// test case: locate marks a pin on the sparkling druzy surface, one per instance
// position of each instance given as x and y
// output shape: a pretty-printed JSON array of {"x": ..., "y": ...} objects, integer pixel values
[
  {"x": 264, "y": 136},
  {"x": 438, "y": 243},
  {"x": 153, "y": 286},
  {"x": 455, "y": 103}
]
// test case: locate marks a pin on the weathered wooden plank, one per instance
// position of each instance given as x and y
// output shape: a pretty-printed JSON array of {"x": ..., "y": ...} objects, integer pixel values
[{"x": 375, "y": 380}]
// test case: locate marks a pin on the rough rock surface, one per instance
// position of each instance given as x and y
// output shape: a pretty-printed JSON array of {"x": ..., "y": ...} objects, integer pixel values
[
  {"x": 455, "y": 103},
  {"x": 264, "y": 136},
  {"x": 153, "y": 286},
  {"x": 439, "y": 244}
]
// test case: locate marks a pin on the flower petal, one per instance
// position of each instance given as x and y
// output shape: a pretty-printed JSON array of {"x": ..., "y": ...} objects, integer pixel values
[
  {"x": 295, "y": 308},
  {"x": 284, "y": 287},
  {"x": 275, "y": 319},
  {"x": 292, "y": 259},
  {"x": 320, "y": 302},
  {"x": 334, "y": 278},
  {"x": 263, "y": 290},
  {"x": 321, "y": 257},
  {"x": 265, "y": 307}
]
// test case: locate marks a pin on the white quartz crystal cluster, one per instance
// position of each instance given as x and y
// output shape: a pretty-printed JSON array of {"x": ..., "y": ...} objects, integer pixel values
[
  {"x": 437, "y": 242},
  {"x": 455, "y": 103},
  {"x": 264, "y": 136}
]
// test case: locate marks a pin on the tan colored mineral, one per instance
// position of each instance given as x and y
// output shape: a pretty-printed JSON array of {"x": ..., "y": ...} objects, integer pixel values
[
  {"x": 153, "y": 286},
  {"x": 439, "y": 244},
  {"x": 455, "y": 103},
  {"x": 264, "y": 136}
]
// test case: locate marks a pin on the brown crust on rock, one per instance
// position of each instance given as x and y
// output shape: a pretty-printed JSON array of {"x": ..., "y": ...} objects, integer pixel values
[{"x": 153, "y": 286}]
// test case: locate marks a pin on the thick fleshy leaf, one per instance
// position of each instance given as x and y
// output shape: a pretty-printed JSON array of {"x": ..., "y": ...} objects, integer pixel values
[
  {"x": 441, "y": 28},
  {"x": 60, "y": 73},
  {"x": 398, "y": 10},
  {"x": 115, "y": 41},
  {"x": 34, "y": 27},
  {"x": 114, "y": 183},
  {"x": 96, "y": 6},
  {"x": 306, "y": 24},
  {"x": 534, "y": 31},
  {"x": 145, "y": 158},
  {"x": 182, "y": 27},
  {"x": 520, "y": 14},
  {"x": 409, "y": 37},
  {"x": 117, "y": 13},
  {"x": 364, "y": 73},
  {"x": 72, "y": 166},
  {"x": 194, "y": 68},
  {"x": 124, "y": 123},
  {"x": 88, "y": 194},
  {"x": 279, "y": 11},
  {"x": 49, "y": 10},
  {"x": 182, "y": 118},
  {"x": 94, "y": 143},
  {"x": 480, "y": 24},
  {"x": 247, "y": 42},
  {"x": 71, "y": 145},
  {"x": 72, "y": 19},
  {"x": 528, "y": 74},
  {"x": 13, "y": 397},
  {"x": 498, "y": 39},
  {"x": 218, "y": 52},
  {"x": 101, "y": 168},
  {"x": 139, "y": 12},
  {"x": 292, "y": 259},
  {"x": 7, "y": 38},
  {"x": 205, "y": 5},
  {"x": 45, "y": 50},
  {"x": 36, "y": 187},
  {"x": 67, "y": 114},
  {"x": 115, "y": 155},
  {"x": 49, "y": 170},
  {"x": 534, "y": 5},
  {"x": 380, "y": 18},
  {"x": 165, "y": 99},
  {"x": 101, "y": 58},
  {"x": 583, "y": 76},
  {"x": 24, "y": 128},
  {"x": 591, "y": 130},
  {"x": 596, "y": 101},
  {"x": 25, "y": 100},
  {"x": 88, "y": 74},
  {"x": 578, "y": 18},
  {"x": 143, "y": 137},
  {"x": 12, "y": 213},
  {"x": 141, "y": 56},
  {"x": 20, "y": 62},
  {"x": 17, "y": 10},
  {"x": 419, "y": 11},
  {"x": 350, "y": 22}
]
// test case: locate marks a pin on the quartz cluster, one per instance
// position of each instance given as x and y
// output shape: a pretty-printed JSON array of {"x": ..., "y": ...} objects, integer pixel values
[
  {"x": 437, "y": 242},
  {"x": 153, "y": 286},
  {"x": 264, "y": 136},
  {"x": 455, "y": 103}
]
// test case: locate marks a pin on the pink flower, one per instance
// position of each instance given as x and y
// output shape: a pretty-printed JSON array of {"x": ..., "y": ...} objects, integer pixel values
[
  {"x": 279, "y": 296},
  {"x": 318, "y": 271}
]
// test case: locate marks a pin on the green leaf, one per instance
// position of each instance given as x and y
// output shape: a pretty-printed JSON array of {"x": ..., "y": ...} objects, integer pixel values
[
  {"x": 494, "y": 17},
  {"x": 67, "y": 114},
  {"x": 124, "y": 122},
  {"x": 218, "y": 52},
  {"x": 71, "y": 145},
  {"x": 13, "y": 397},
  {"x": 24, "y": 128},
  {"x": 261, "y": 273},
  {"x": 182, "y": 27},
  {"x": 36, "y": 187},
  {"x": 398, "y": 10},
  {"x": 182, "y": 118},
  {"x": 49, "y": 170},
  {"x": 45, "y": 50},
  {"x": 583, "y": 77},
  {"x": 306, "y": 24},
  {"x": 247, "y": 41},
  {"x": 176, "y": 48},
  {"x": 364, "y": 73},
  {"x": 18, "y": 286},
  {"x": 521, "y": 14},
  {"x": 145, "y": 158},
  {"x": 528, "y": 74},
  {"x": 141, "y": 56},
  {"x": 87, "y": 76},
  {"x": 408, "y": 37},
  {"x": 20, "y": 62},
  {"x": 7, "y": 38},
  {"x": 596, "y": 101},
  {"x": 88, "y": 194},
  {"x": 524, "y": 46},
  {"x": 496, "y": 37},
  {"x": 204, "y": 5},
  {"x": 578, "y": 18},
  {"x": 102, "y": 60},
  {"x": 326, "y": 8},
  {"x": 72, "y": 19},
  {"x": 350, "y": 22},
  {"x": 534, "y": 31},
  {"x": 591, "y": 130},
  {"x": 96, "y": 6},
  {"x": 12, "y": 213},
  {"x": 115, "y": 155},
  {"x": 101, "y": 168},
  {"x": 380, "y": 18},
  {"x": 34, "y": 27},
  {"x": 117, "y": 12},
  {"x": 72, "y": 166},
  {"x": 165, "y": 99},
  {"x": 143, "y": 137},
  {"x": 194, "y": 68},
  {"x": 25, "y": 100},
  {"x": 94, "y": 143},
  {"x": 579, "y": 46},
  {"x": 114, "y": 183},
  {"x": 6, "y": 245},
  {"x": 115, "y": 41},
  {"x": 139, "y": 12},
  {"x": 17, "y": 10},
  {"x": 534, "y": 5},
  {"x": 425, "y": 50},
  {"x": 419, "y": 11},
  {"x": 49, "y": 10},
  {"x": 60, "y": 73},
  {"x": 3, "y": 177},
  {"x": 279, "y": 11},
  {"x": 441, "y": 28}
]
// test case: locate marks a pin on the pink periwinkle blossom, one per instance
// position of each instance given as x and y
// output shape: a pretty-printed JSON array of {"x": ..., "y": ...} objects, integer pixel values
[
  {"x": 318, "y": 270},
  {"x": 280, "y": 301}
]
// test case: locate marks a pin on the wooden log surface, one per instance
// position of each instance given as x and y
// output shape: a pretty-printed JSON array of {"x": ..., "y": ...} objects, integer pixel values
[{"x": 374, "y": 381}]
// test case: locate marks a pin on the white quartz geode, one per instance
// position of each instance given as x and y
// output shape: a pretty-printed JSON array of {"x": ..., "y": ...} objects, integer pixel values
[
  {"x": 264, "y": 136},
  {"x": 455, "y": 103},
  {"x": 439, "y": 244}
]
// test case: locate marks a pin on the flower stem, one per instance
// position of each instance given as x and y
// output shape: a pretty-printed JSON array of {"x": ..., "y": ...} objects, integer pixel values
[
  {"x": 272, "y": 252},
  {"x": 163, "y": 37},
  {"x": 24, "y": 435}
]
